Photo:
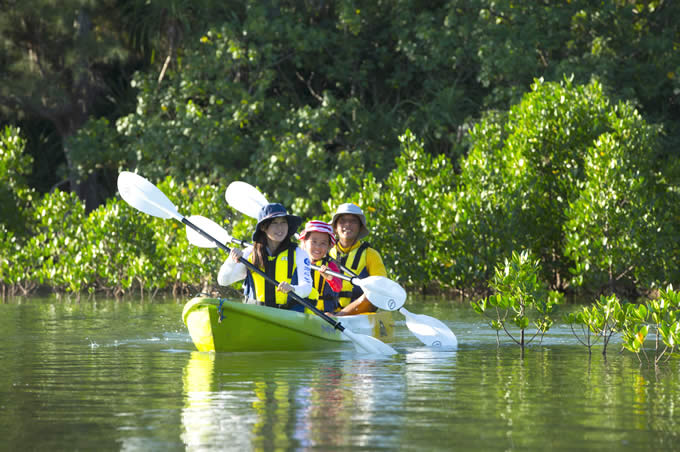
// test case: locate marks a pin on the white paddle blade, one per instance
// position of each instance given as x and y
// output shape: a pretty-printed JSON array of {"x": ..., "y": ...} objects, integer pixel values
[
  {"x": 213, "y": 229},
  {"x": 145, "y": 196},
  {"x": 369, "y": 344},
  {"x": 382, "y": 292},
  {"x": 245, "y": 198},
  {"x": 430, "y": 331}
]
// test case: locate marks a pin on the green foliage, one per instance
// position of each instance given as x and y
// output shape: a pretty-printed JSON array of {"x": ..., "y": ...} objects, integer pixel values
[
  {"x": 114, "y": 249},
  {"x": 292, "y": 95},
  {"x": 483, "y": 220},
  {"x": 520, "y": 299},
  {"x": 662, "y": 316},
  {"x": 527, "y": 182},
  {"x": 634, "y": 322},
  {"x": 409, "y": 213},
  {"x": 617, "y": 42},
  {"x": 61, "y": 63},
  {"x": 15, "y": 195},
  {"x": 612, "y": 223},
  {"x": 604, "y": 318},
  {"x": 288, "y": 97},
  {"x": 209, "y": 120}
]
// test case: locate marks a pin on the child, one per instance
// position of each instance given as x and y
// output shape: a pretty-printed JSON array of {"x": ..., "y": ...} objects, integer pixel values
[
  {"x": 274, "y": 254},
  {"x": 317, "y": 238}
]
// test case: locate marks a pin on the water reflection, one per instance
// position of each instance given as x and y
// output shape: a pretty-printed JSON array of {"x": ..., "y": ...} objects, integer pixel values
[
  {"x": 286, "y": 403},
  {"x": 326, "y": 405},
  {"x": 144, "y": 388}
]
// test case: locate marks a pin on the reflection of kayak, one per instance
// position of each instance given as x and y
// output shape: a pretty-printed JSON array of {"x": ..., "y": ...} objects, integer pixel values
[{"x": 249, "y": 327}]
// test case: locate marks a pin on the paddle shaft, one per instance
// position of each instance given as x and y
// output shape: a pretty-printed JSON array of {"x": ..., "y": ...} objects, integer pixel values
[
  {"x": 349, "y": 272},
  {"x": 253, "y": 268},
  {"x": 254, "y": 195},
  {"x": 336, "y": 274},
  {"x": 243, "y": 243}
]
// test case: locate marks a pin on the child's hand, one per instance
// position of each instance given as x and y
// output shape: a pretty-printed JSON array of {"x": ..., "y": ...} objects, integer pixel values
[
  {"x": 322, "y": 270},
  {"x": 284, "y": 287}
]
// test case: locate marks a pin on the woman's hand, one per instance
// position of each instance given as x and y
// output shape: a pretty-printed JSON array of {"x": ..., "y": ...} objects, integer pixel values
[{"x": 235, "y": 254}]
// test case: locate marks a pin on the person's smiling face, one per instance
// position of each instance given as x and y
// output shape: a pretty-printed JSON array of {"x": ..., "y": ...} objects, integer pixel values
[
  {"x": 276, "y": 230},
  {"x": 347, "y": 228},
  {"x": 317, "y": 244}
]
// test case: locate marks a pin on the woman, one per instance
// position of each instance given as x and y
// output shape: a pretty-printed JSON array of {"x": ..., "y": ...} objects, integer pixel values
[
  {"x": 274, "y": 254},
  {"x": 317, "y": 238}
]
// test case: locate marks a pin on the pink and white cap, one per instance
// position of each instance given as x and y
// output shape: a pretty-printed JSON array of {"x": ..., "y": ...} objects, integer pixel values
[{"x": 318, "y": 226}]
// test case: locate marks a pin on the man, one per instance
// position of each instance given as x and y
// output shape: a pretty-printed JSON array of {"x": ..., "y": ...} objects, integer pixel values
[{"x": 349, "y": 224}]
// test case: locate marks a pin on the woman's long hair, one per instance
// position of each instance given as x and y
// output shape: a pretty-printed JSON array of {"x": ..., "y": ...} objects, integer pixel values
[{"x": 260, "y": 246}]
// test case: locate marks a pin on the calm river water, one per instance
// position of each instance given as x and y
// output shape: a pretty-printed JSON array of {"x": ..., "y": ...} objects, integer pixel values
[{"x": 124, "y": 375}]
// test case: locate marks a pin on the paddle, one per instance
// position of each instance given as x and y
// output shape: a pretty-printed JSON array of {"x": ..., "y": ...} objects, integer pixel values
[
  {"x": 245, "y": 198},
  {"x": 387, "y": 294},
  {"x": 146, "y": 197},
  {"x": 430, "y": 331},
  {"x": 383, "y": 292}
]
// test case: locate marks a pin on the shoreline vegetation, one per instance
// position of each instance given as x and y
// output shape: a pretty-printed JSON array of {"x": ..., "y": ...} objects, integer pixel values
[
  {"x": 597, "y": 214},
  {"x": 466, "y": 134}
]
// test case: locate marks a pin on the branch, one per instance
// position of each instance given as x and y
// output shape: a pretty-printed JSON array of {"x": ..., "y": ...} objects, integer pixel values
[
  {"x": 577, "y": 337},
  {"x": 308, "y": 83}
]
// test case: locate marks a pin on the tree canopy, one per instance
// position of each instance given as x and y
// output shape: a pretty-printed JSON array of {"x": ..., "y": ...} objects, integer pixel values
[{"x": 486, "y": 126}]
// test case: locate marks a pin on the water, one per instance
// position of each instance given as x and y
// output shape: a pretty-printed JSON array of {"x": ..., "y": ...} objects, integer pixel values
[{"x": 112, "y": 375}]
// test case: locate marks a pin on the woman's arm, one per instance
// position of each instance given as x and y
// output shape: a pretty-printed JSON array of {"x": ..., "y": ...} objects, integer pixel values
[
  {"x": 232, "y": 270},
  {"x": 304, "y": 273}
]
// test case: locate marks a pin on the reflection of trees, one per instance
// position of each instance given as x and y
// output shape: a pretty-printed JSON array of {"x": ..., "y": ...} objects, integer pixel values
[
  {"x": 96, "y": 367},
  {"x": 71, "y": 366},
  {"x": 569, "y": 399}
]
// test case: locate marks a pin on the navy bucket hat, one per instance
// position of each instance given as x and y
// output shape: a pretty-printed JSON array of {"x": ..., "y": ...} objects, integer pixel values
[{"x": 270, "y": 211}]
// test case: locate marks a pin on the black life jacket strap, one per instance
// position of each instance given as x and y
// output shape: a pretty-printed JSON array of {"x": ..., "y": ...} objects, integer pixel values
[
  {"x": 357, "y": 257},
  {"x": 291, "y": 263},
  {"x": 291, "y": 259},
  {"x": 269, "y": 288}
]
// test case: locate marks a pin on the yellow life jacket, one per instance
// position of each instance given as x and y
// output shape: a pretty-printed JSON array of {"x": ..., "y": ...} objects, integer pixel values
[
  {"x": 315, "y": 300},
  {"x": 355, "y": 260},
  {"x": 326, "y": 299},
  {"x": 281, "y": 267}
]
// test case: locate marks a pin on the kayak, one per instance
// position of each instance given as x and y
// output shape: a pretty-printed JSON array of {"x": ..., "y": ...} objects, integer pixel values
[{"x": 221, "y": 325}]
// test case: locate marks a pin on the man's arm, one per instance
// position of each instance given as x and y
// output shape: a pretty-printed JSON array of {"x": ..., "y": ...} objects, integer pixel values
[{"x": 374, "y": 263}]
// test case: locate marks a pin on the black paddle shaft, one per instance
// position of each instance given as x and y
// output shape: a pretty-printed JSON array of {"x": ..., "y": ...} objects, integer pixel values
[{"x": 253, "y": 268}]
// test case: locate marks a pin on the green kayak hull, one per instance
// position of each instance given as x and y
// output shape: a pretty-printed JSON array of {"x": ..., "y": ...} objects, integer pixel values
[{"x": 249, "y": 327}]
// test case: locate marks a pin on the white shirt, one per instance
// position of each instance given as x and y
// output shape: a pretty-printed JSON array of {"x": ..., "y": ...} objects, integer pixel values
[{"x": 231, "y": 271}]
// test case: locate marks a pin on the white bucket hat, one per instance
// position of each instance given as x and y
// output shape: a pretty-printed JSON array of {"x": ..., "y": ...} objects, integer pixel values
[{"x": 351, "y": 209}]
